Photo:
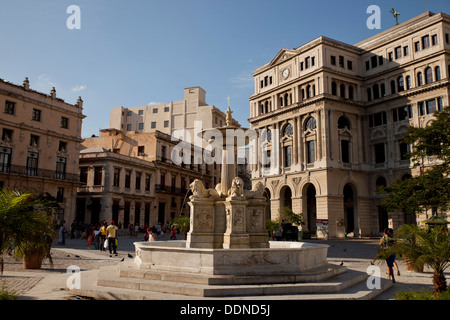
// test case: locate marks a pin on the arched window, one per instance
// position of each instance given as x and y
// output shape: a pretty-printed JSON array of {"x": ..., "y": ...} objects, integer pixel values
[
  {"x": 311, "y": 124},
  {"x": 342, "y": 90},
  {"x": 343, "y": 122},
  {"x": 308, "y": 91},
  {"x": 262, "y": 108},
  {"x": 369, "y": 94},
  {"x": 286, "y": 99},
  {"x": 334, "y": 88},
  {"x": 408, "y": 82},
  {"x": 428, "y": 75},
  {"x": 376, "y": 91},
  {"x": 392, "y": 86},
  {"x": 437, "y": 73},
  {"x": 419, "y": 79},
  {"x": 288, "y": 130},
  {"x": 266, "y": 107},
  {"x": 350, "y": 93},
  {"x": 400, "y": 83},
  {"x": 383, "y": 89}
]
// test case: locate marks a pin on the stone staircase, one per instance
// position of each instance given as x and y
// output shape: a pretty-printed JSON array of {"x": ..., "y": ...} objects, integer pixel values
[{"x": 127, "y": 282}]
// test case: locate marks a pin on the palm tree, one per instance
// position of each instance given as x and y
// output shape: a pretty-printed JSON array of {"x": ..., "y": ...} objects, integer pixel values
[
  {"x": 423, "y": 247},
  {"x": 24, "y": 219},
  {"x": 183, "y": 224}
]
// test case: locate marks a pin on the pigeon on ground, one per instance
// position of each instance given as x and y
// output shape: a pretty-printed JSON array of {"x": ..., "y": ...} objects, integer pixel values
[
  {"x": 130, "y": 256},
  {"x": 122, "y": 259},
  {"x": 342, "y": 263}
]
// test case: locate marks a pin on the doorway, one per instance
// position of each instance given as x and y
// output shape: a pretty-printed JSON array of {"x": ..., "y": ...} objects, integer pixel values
[{"x": 311, "y": 208}]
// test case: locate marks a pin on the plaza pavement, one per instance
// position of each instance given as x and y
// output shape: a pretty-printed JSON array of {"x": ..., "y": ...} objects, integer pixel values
[{"x": 50, "y": 283}]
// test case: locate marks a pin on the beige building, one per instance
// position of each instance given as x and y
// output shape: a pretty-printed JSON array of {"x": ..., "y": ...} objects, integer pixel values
[
  {"x": 39, "y": 145},
  {"x": 341, "y": 111},
  {"x": 171, "y": 116},
  {"x": 130, "y": 178}
]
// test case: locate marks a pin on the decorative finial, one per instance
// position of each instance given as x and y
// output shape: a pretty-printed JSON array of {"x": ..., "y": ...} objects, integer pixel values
[
  {"x": 26, "y": 83},
  {"x": 229, "y": 119},
  {"x": 228, "y": 99},
  {"x": 395, "y": 13}
]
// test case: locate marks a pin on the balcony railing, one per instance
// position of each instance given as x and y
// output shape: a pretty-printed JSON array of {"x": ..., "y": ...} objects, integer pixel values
[
  {"x": 170, "y": 189},
  {"x": 40, "y": 173}
]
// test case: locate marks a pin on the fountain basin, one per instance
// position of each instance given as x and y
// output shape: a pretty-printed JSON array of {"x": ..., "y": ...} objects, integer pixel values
[{"x": 282, "y": 257}]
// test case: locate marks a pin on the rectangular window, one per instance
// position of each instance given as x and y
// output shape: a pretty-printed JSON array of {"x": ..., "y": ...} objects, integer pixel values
[
  {"x": 155, "y": 110},
  {"x": 166, "y": 124},
  {"x": 380, "y": 156},
  {"x": 434, "y": 40},
  {"x": 98, "y": 175},
  {"x": 140, "y": 112},
  {"x": 141, "y": 126},
  {"x": 60, "y": 168},
  {"x": 32, "y": 163},
  {"x": 147, "y": 182},
  {"x": 129, "y": 113},
  {"x": 83, "y": 175},
  {"x": 138, "y": 181},
  {"x": 127, "y": 179},
  {"x": 391, "y": 56},
  {"x": 153, "y": 125},
  {"x": 36, "y": 115},
  {"x": 421, "y": 106},
  {"x": 333, "y": 60},
  {"x": 431, "y": 106},
  {"x": 34, "y": 140},
  {"x": 287, "y": 156},
  {"x": 5, "y": 159},
  {"x": 116, "y": 181},
  {"x": 439, "y": 104},
  {"x": 405, "y": 149},
  {"x": 349, "y": 65},
  {"x": 425, "y": 42},
  {"x": 62, "y": 147},
  {"x": 60, "y": 195},
  {"x": 129, "y": 127},
  {"x": 380, "y": 60},
  {"x": 374, "y": 61},
  {"x": 398, "y": 52},
  {"x": 307, "y": 62},
  {"x": 405, "y": 51},
  {"x": 141, "y": 150},
  {"x": 311, "y": 151},
  {"x": 313, "y": 61},
  {"x": 166, "y": 109},
  {"x": 416, "y": 46},
  {"x": 345, "y": 149},
  {"x": 341, "y": 62},
  {"x": 64, "y": 122},
  {"x": 367, "y": 65},
  {"x": 10, "y": 107},
  {"x": 7, "y": 134}
]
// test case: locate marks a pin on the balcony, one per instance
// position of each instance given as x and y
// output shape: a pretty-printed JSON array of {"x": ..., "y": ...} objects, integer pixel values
[{"x": 39, "y": 173}]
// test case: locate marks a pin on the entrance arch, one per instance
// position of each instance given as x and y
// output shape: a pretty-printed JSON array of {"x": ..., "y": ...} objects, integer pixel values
[
  {"x": 286, "y": 197},
  {"x": 311, "y": 207},
  {"x": 350, "y": 210}
]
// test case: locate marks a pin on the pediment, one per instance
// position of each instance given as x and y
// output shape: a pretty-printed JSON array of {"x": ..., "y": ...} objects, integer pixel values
[{"x": 283, "y": 55}]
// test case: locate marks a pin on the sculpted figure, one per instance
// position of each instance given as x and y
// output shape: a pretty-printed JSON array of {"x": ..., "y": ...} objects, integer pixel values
[
  {"x": 256, "y": 193},
  {"x": 200, "y": 192},
  {"x": 237, "y": 189}
]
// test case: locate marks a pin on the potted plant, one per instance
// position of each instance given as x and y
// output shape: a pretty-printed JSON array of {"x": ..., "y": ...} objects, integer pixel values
[{"x": 25, "y": 223}]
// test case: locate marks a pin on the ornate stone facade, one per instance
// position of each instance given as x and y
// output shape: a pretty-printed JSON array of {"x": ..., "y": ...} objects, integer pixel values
[{"x": 332, "y": 117}]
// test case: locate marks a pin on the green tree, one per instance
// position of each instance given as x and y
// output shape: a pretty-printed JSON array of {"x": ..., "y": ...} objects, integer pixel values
[
  {"x": 272, "y": 226},
  {"x": 423, "y": 247},
  {"x": 431, "y": 153}
]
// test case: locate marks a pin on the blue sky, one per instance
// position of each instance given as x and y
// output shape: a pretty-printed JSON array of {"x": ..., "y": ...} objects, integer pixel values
[{"x": 132, "y": 53}]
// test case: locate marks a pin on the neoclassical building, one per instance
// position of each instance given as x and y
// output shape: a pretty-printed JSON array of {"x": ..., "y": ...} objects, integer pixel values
[
  {"x": 332, "y": 118},
  {"x": 39, "y": 144}
]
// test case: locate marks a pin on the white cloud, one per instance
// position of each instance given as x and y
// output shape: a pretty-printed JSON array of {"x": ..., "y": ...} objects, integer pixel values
[
  {"x": 45, "y": 81},
  {"x": 243, "y": 80},
  {"x": 79, "y": 88}
]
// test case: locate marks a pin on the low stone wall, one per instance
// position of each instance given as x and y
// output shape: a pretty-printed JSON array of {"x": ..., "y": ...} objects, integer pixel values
[{"x": 281, "y": 257}]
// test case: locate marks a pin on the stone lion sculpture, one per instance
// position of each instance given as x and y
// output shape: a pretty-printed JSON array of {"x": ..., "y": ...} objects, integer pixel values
[
  {"x": 237, "y": 189},
  {"x": 200, "y": 192},
  {"x": 257, "y": 191}
]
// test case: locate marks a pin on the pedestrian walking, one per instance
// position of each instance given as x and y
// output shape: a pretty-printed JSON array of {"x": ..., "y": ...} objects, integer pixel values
[
  {"x": 111, "y": 236},
  {"x": 103, "y": 236},
  {"x": 385, "y": 242},
  {"x": 151, "y": 235}
]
